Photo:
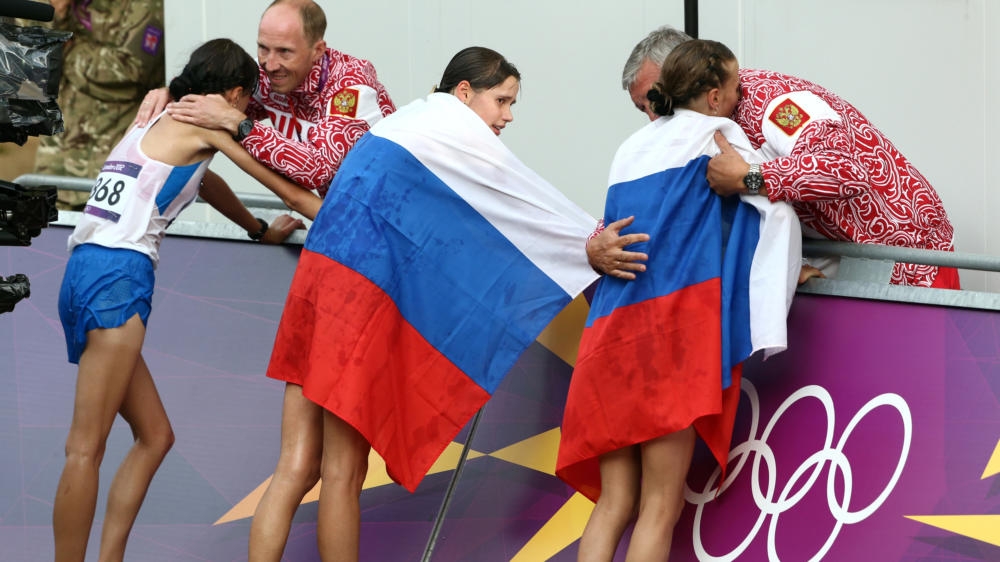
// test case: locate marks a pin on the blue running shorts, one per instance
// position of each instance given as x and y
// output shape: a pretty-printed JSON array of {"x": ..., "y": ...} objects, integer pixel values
[{"x": 103, "y": 288}]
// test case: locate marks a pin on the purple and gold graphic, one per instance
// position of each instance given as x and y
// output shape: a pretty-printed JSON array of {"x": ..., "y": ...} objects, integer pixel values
[{"x": 876, "y": 436}]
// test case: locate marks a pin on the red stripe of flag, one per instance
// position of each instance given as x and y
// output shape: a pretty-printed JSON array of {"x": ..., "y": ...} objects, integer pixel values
[{"x": 408, "y": 418}]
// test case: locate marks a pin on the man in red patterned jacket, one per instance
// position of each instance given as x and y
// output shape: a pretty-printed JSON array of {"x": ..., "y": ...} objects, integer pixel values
[
  {"x": 844, "y": 178},
  {"x": 320, "y": 101}
]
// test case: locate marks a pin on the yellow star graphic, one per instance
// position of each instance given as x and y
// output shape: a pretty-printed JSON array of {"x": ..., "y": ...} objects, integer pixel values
[
  {"x": 993, "y": 467},
  {"x": 985, "y": 528},
  {"x": 562, "y": 338},
  {"x": 566, "y": 526},
  {"x": 377, "y": 476},
  {"x": 535, "y": 453}
]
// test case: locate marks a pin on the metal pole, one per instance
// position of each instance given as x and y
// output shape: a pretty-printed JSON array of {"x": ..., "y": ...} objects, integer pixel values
[
  {"x": 691, "y": 18},
  {"x": 439, "y": 521}
]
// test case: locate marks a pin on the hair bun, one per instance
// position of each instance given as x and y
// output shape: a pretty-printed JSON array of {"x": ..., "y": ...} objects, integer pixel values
[
  {"x": 179, "y": 87},
  {"x": 659, "y": 103}
]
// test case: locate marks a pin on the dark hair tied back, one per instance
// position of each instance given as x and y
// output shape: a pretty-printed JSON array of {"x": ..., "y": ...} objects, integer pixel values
[
  {"x": 483, "y": 68},
  {"x": 659, "y": 103},
  {"x": 180, "y": 85},
  {"x": 215, "y": 67}
]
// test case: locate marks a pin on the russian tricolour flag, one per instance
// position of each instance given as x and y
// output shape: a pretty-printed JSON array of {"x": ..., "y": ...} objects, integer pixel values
[
  {"x": 436, "y": 260},
  {"x": 663, "y": 352}
]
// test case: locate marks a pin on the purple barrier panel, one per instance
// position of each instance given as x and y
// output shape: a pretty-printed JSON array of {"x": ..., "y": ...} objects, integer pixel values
[
  {"x": 507, "y": 491},
  {"x": 867, "y": 440},
  {"x": 215, "y": 311},
  {"x": 873, "y": 437},
  {"x": 863, "y": 440},
  {"x": 216, "y": 308}
]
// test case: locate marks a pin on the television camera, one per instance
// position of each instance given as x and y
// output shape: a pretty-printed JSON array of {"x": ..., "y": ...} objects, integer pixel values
[{"x": 30, "y": 69}]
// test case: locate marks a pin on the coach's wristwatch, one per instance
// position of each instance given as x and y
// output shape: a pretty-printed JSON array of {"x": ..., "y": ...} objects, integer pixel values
[
  {"x": 754, "y": 180},
  {"x": 243, "y": 129}
]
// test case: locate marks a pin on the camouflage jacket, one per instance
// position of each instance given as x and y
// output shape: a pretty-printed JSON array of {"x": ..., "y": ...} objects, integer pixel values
[{"x": 114, "y": 58}]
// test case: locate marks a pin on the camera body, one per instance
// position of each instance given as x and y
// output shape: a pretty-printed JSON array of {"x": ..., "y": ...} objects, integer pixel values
[
  {"x": 30, "y": 69},
  {"x": 24, "y": 212},
  {"x": 12, "y": 290}
]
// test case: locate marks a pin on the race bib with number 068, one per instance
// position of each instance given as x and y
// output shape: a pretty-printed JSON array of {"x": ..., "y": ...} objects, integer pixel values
[{"x": 114, "y": 188}]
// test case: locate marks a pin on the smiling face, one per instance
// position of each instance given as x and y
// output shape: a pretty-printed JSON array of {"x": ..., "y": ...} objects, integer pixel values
[
  {"x": 283, "y": 50},
  {"x": 492, "y": 105}
]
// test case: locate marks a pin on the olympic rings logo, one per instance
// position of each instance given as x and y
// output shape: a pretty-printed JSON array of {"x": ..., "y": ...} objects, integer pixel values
[{"x": 789, "y": 496}]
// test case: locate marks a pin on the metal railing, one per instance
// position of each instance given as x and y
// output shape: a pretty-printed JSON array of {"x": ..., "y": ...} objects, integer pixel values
[
  {"x": 256, "y": 201},
  {"x": 266, "y": 206},
  {"x": 897, "y": 254},
  {"x": 857, "y": 286},
  {"x": 885, "y": 256}
]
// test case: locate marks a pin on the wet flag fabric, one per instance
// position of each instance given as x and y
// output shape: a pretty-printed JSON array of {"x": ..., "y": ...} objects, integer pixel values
[
  {"x": 664, "y": 352},
  {"x": 436, "y": 260}
]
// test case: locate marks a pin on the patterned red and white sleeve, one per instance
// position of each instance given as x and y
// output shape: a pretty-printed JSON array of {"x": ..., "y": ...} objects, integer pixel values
[
  {"x": 311, "y": 164},
  {"x": 597, "y": 230},
  {"x": 822, "y": 166}
]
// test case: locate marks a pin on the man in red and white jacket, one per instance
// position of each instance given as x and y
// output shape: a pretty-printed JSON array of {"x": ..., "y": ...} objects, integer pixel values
[
  {"x": 844, "y": 178},
  {"x": 320, "y": 101}
]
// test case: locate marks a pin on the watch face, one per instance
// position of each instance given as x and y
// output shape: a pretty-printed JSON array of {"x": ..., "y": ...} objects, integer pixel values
[{"x": 754, "y": 181}]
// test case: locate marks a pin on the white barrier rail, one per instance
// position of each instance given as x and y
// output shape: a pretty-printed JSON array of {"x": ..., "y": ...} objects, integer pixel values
[{"x": 860, "y": 259}]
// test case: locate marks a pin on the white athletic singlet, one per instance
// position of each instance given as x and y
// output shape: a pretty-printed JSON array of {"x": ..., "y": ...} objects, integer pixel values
[{"x": 136, "y": 198}]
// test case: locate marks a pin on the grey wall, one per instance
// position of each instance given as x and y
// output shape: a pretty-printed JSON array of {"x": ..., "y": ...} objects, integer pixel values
[{"x": 922, "y": 70}]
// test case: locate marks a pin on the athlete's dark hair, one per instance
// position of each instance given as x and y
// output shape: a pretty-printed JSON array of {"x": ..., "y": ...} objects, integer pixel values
[
  {"x": 483, "y": 68},
  {"x": 216, "y": 66}
]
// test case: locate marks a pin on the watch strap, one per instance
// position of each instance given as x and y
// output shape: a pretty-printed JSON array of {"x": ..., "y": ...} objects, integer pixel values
[
  {"x": 243, "y": 130},
  {"x": 754, "y": 179},
  {"x": 256, "y": 236}
]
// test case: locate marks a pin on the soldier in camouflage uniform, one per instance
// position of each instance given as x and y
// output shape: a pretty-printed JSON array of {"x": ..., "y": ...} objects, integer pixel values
[{"x": 113, "y": 59}]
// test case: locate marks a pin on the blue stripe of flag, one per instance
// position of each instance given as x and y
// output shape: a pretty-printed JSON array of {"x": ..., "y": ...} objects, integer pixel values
[
  {"x": 695, "y": 236},
  {"x": 454, "y": 277},
  {"x": 672, "y": 206}
]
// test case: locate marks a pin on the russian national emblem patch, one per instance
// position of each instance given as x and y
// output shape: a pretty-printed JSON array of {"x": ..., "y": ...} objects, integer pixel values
[
  {"x": 345, "y": 103},
  {"x": 789, "y": 117}
]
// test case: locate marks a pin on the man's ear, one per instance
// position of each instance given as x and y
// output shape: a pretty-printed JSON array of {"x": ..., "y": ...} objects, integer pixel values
[{"x": 318, "y": 49}]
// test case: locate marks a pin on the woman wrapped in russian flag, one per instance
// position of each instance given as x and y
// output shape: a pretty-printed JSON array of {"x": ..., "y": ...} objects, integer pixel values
[
  {"x": 436, "y": 259},
  {"x": 660, "y": 358}
]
